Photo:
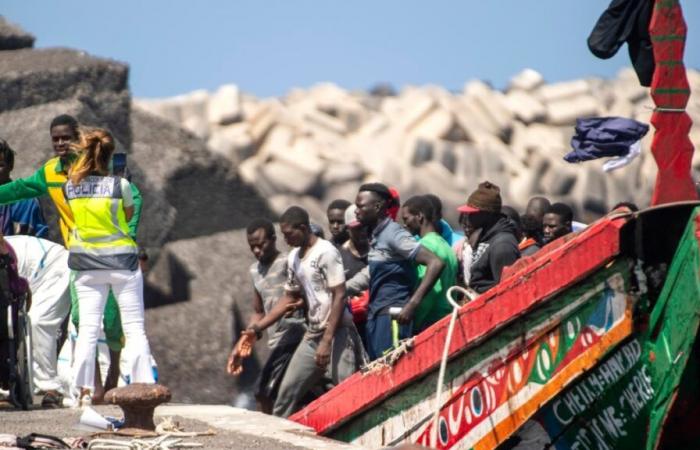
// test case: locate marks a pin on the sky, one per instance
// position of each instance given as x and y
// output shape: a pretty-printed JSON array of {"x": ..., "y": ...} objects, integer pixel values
[{"x": 269, "y": 47}]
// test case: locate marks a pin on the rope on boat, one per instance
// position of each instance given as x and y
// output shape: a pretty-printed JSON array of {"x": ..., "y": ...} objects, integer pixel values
[
  {"x": 469, "y": 295},
  {"x": 388, "y": 360}
]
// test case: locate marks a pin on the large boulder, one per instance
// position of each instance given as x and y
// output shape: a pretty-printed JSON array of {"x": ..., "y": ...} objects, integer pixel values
[
  {"x": 12, "y": 37},
  {"x": 191, "y": 332},
  {"x": 31, "y": 77},
  {"x": 184, "y": 181}
]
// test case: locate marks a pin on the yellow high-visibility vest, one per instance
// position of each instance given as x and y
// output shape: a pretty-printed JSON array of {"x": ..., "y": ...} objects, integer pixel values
[{"x": 100, "y": 237}]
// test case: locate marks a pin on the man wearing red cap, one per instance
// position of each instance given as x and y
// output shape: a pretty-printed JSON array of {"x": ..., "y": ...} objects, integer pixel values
[{"x": 491, "y": 235}]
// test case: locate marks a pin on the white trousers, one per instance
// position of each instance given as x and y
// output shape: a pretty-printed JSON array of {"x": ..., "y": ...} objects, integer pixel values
[
  {"x": 92, "y": 287},
  {"x": 50, "y": 306}
]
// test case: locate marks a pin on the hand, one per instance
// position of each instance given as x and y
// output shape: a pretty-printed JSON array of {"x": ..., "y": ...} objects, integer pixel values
[
  {"x": 246, "y": 343},
  {"x": 406, "y": 315},
  {"x": 234, "y": 366},
  {"x": 293, "y": 307},
  {"x": 323, "y": 354}
]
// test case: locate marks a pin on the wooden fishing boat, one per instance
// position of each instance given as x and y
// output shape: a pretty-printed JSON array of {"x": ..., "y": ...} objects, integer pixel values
[
  {"x": 590, "y": 344},
  {"x": 584, "y": 345}
]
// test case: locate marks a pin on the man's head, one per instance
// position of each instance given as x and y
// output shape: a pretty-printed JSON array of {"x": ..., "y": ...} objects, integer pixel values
[
  {"x": 532, "y": 228},
  {"x": 437, "y": 207},
  {"x": 514, "y": 217},
  {"x": 262, "y": 239},
  {"x": 295, "y": 226},
  {"x": 358, "y": 233},
  {"x": 7, "y": 161},
  {"x": 537, "y": 207},
  {"x": 483, "y": 208},
  {"x": 371, "y": 202},
  {"x": 64, "y": 132},
  {"x": 417, "y": 214},
  {"x": 557, "y": 221},
  {"x": 336, "y": 220}
]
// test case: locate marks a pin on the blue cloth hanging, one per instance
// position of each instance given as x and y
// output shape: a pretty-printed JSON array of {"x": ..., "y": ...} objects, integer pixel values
[{"x": 600, "y": 137}]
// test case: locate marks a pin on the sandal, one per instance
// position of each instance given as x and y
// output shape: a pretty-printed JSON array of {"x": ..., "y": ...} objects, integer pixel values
[{"x": 52, "y": 399}]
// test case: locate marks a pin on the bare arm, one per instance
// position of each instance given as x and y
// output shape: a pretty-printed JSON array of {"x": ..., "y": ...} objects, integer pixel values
[
  {"x": 358, "y": 283},
  {"x": 258, "y": 310},
  {"x": 434, "y": 268}
]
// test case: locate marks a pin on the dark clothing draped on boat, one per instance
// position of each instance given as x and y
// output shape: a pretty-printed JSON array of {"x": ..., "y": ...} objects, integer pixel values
[
  {"x": 600, "y": 137},
  {"x": 626, "y": 21}
]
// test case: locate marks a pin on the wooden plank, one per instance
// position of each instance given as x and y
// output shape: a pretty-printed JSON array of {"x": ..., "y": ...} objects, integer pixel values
[{"x": 548, "y": 273}]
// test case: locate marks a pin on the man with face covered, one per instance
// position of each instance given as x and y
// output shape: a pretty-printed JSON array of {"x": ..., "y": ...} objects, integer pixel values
[
  {"x": 269, "y": 275},
  {"x": 491, "y": 235},
  {"x": 331, "y": 349}
]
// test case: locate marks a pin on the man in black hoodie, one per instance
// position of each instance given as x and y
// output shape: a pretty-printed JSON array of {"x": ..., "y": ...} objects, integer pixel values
[{"x": 491, "y": 235}]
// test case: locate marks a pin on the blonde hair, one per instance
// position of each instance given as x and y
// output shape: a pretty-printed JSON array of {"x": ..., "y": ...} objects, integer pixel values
[{"x": 94, "y": 150}]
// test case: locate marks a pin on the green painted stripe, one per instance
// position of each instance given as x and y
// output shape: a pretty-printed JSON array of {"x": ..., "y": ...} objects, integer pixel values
[
  {"x": 670, "y": 91},
  {"x": 661, "y": 4},
  {"x": 670, "y": 63},
  {"x": 668, "y": 37},
  {"x": 424, "y": 388}
]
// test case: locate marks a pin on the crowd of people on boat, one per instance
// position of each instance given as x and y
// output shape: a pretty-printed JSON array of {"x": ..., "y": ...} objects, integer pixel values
[
  {"x": 332, "y": 306},
  {"x": 329, "y": 306}
]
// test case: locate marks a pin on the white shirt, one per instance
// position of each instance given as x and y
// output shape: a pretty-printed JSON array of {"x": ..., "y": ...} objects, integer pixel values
[{"x": 314, "y": 275}]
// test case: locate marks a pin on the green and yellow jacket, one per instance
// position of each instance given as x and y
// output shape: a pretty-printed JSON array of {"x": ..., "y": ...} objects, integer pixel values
[{"x": 49, "y": 179}]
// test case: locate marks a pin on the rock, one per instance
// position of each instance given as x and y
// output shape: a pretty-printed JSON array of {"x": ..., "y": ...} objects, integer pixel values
[
  {"x": 524, "y": 106},
  {"x": 138, "y": 401},
  {"x": 338, "y": 173},
  {"x": 225, "y": 106},
  {"x": 31, "y": 77},
  {"x": 346, "y": 190},
  {"x": 287, "y": 178},
  {"x": 491, "y": 105},
  {"x": 526, "y": 80},
  {"x": 566, "y": 111},
  {"x": 233, "y": 142},
  {"x": 12, "y": 37},
  {"x": 202, "y": 187},
  {"x": 439, "y": 124},
  {"x": 564, "y": 90},
  {"x": 589, "y": 193},
  {"x": 201, "y": 289},
  {"x": 168, "y": 109}
]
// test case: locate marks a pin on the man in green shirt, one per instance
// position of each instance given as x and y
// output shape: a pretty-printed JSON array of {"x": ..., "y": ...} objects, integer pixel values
[{"x": 418, "y": 218}]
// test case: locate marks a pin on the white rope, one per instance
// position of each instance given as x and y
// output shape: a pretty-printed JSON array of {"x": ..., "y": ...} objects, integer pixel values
[
  {"x": 164, "y": 442},
  {"x": 469, "y": 295}
]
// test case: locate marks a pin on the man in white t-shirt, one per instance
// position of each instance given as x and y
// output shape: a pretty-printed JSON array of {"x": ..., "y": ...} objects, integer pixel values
[
  {"x": 44, "y": 265},
  {"x": 331, "y": 349}
]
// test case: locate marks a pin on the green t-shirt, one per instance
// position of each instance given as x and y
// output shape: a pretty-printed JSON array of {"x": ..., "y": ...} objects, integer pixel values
[{"x": 434, "y": 305}]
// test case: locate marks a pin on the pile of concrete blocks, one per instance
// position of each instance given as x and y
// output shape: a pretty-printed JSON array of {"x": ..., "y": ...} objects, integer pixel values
[{"x": 318, "y": 144}]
